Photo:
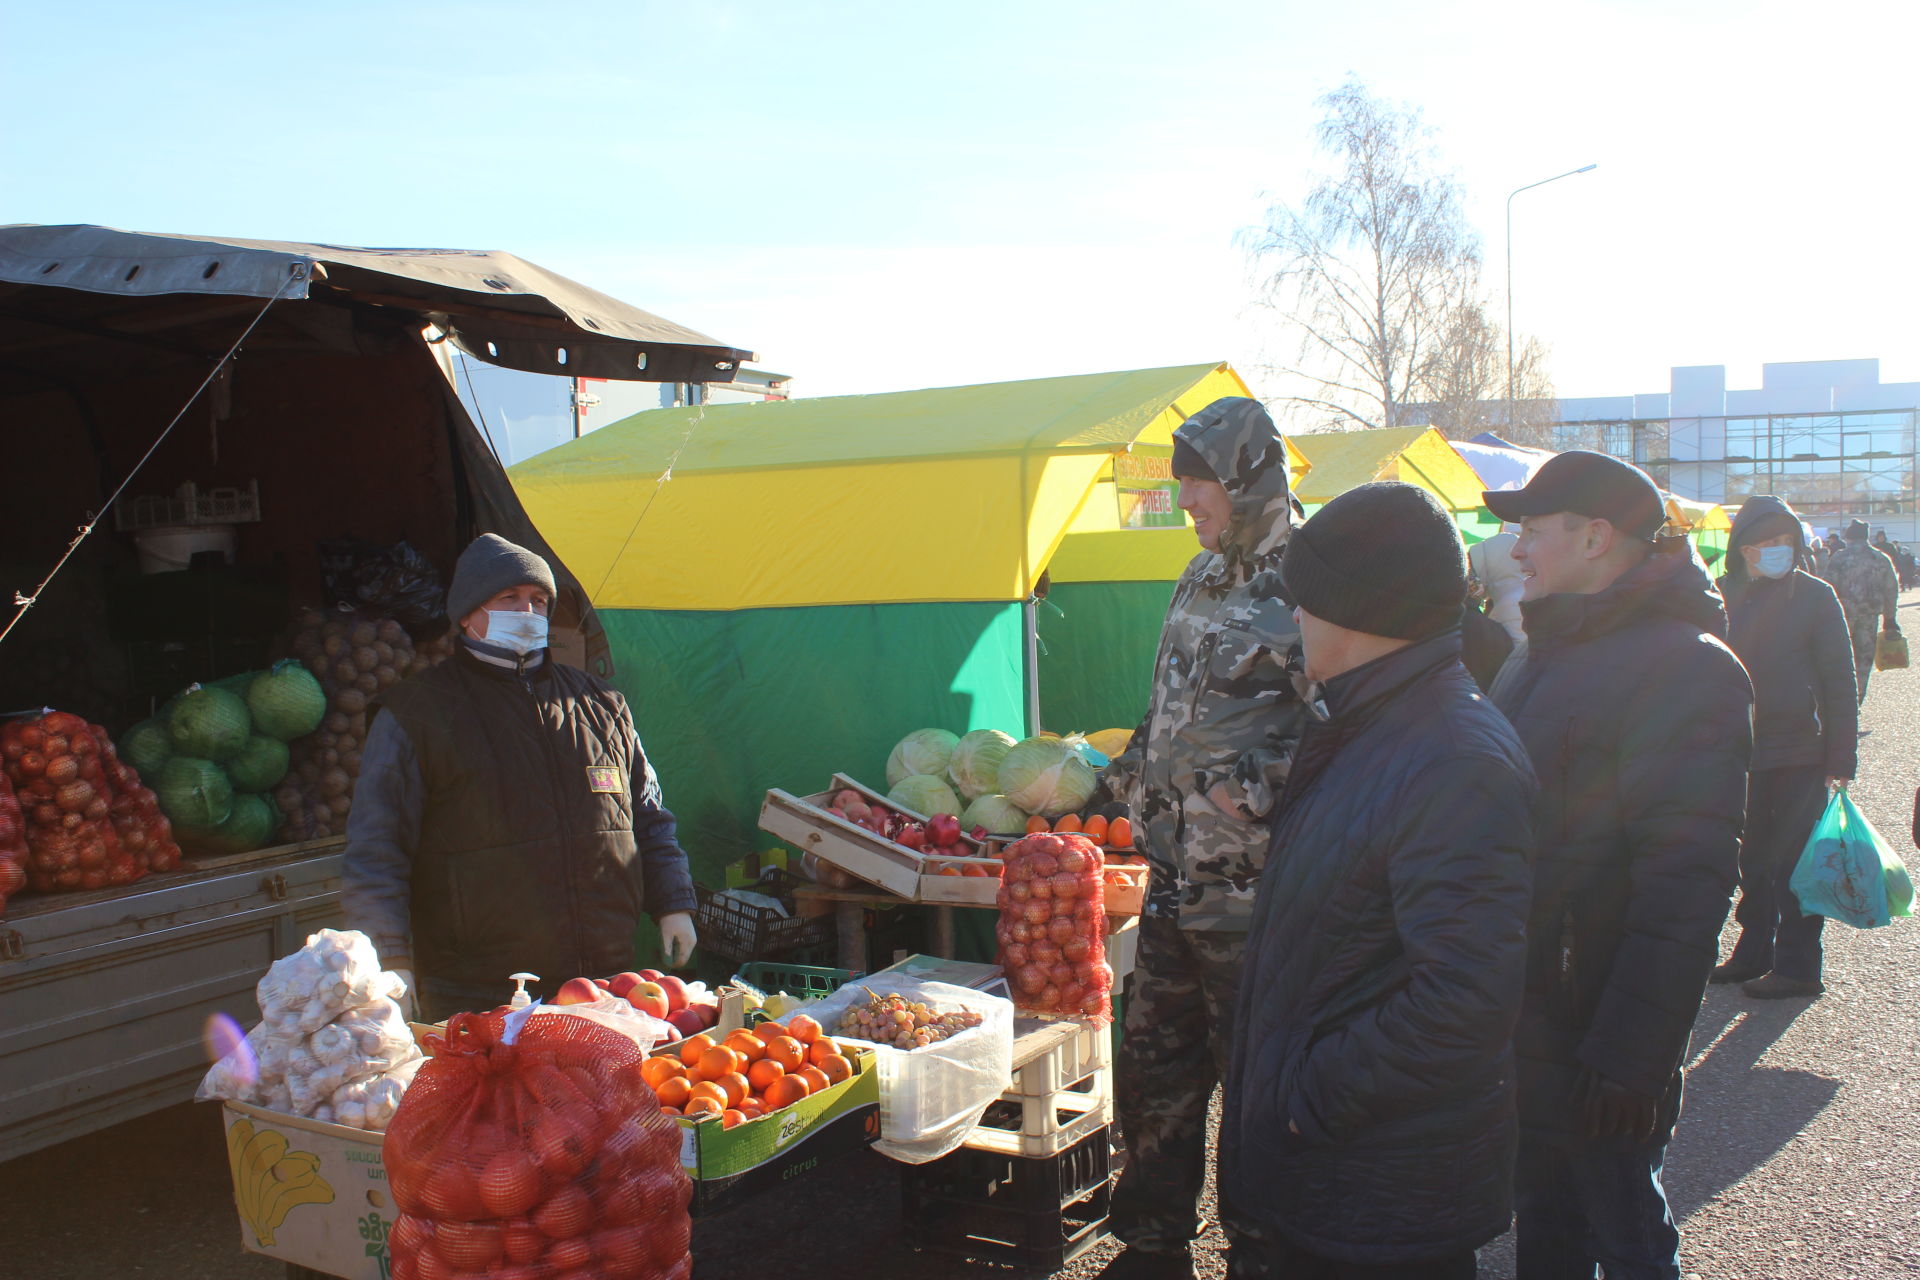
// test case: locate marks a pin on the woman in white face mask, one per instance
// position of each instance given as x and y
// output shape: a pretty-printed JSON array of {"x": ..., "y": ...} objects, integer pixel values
[{"x": 1788, "y": 628}]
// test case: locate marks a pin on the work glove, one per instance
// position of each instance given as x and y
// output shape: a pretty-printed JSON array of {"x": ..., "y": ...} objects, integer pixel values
[
  {"x": 1613, "y": 1110},
  {"x": 677, "y": 938}
]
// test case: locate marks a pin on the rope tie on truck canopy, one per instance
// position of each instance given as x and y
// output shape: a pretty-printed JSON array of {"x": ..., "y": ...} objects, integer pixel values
[{"x": 24, "y": 602}]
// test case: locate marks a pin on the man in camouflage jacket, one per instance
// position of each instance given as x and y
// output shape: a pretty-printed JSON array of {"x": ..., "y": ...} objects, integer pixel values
[
  {"x": 1201, "y": 775},
  {"x": 1869, "y": 591}
]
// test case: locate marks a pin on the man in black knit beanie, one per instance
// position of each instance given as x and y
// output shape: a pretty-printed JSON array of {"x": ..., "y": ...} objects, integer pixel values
[{"x": 1370, "y": 1126}]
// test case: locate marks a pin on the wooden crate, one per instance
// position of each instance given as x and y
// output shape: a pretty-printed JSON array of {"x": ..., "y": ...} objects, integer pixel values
[{"x": 803, "y": 821}]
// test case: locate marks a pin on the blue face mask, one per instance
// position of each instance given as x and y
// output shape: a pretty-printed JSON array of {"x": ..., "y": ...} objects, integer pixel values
[
  {"x": 1774, "y": 562},
  {"x": 522, "y": 633}
]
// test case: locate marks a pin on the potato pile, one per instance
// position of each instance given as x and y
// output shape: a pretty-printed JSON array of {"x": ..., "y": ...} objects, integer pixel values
[{"x": 356, "y": 659}]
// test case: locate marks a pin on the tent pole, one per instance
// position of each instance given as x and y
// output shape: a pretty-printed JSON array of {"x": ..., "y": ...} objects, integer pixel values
[{"x": 1033, "y": 668}]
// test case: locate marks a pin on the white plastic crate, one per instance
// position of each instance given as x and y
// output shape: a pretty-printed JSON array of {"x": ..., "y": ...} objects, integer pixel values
[{"x": 1062, "y": 1083}]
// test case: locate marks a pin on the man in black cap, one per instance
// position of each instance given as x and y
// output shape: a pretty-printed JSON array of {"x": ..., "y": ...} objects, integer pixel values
[
  {"x": 1638, "y": 720},
  {"x": 1369, "y": 1127},
  {"x": 506, "y": 817}
]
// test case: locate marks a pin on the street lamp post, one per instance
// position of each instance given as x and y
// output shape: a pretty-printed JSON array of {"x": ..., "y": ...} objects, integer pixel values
[{"x": 1510, "y": 195}]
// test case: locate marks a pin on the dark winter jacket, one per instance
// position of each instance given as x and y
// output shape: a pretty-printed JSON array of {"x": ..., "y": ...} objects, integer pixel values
[
  {"x": 1384, "y": 971},
  {"x": 1637, "y": 719},
  {"x": 1791, "y": 635},
  {"x": 517, "y": 825}
]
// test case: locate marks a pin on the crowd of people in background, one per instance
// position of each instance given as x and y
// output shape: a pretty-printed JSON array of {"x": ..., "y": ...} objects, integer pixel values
[{"x": 1443, "y": 843}]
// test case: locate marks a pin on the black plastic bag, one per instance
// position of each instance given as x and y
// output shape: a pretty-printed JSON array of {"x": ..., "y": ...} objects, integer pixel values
[{"x": 385, "y": 581}]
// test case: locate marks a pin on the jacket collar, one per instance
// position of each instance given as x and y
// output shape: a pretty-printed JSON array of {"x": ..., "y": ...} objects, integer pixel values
[
  {"x": 1354, "y": 697},
  {"x": 499, "y": 664},
  {"x": 1672, "y": 583}
]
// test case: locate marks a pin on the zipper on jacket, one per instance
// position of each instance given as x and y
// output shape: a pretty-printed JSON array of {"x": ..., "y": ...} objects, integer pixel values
[{"x": 564, "y": 822}]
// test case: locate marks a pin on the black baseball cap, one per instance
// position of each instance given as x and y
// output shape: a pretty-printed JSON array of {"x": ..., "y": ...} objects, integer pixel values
[{"x": 1588, "y": 484}]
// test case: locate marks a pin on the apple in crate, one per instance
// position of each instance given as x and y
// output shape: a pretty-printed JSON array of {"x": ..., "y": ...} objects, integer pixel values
[
  {"x": 649, "y": 998},
  {"x": 577, "y": 991},
  {"x": 687, "y": 1022},
  {"x": 676, "y": 992}
]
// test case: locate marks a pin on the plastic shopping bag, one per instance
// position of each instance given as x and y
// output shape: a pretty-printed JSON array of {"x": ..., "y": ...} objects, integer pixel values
[
  {"x": 1848, "y": 872},
  {"x": 1890, "y": 652},
  {"x": 931, "y": 1097}
]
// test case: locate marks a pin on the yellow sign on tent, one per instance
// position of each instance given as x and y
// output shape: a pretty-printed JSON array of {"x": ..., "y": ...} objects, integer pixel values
[
  {"x": 950, "y": 494},
  {"x": 1343, "y": 460}
]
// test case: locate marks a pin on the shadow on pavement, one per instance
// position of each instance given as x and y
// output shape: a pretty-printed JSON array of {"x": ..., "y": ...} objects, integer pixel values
[{"x": 1738, "y": 1113}]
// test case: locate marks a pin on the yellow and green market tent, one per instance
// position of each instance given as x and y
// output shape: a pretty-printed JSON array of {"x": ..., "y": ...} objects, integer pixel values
[
  {"x": 1343, "y": 460},
  {"x": 790, "y": 587},
  {"x": 1707, "y": 523}
]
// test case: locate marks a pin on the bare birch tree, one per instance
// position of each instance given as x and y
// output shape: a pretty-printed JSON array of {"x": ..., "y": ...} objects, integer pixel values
[
  {"x": 1463, "y": 384},
  {"x": 1369, "y": 268}
]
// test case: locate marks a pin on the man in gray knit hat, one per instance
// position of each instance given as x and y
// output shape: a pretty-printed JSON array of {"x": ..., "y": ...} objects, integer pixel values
[{"x": 506, "y": 817}]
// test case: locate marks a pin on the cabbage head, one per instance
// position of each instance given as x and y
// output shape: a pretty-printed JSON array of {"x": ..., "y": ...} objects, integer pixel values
[
  {"x": 974, "y": 768},
  {"x": 999, "y": 815},
  {"x": 922, "y": 751},
  {"x": 925, "y": 794},
  {"x": 1046, "y": 776}
]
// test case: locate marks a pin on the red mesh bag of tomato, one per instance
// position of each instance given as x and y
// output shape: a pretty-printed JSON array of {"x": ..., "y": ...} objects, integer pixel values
[
  {"x": 89, "y": 822},
  {"x": 1053, "y": 927},
  {"x": 536, "y": 1156}
]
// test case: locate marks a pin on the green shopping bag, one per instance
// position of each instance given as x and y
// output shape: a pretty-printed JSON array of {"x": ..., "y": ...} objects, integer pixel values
[{"x": 1847, "y": 871}]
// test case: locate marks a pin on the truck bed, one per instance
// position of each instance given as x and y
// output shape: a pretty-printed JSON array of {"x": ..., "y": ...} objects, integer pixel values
[{"x": 105, "y": 997}]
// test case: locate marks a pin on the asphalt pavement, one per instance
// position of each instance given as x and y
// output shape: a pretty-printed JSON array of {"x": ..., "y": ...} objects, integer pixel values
[{"x": 1798, "y": 1157}]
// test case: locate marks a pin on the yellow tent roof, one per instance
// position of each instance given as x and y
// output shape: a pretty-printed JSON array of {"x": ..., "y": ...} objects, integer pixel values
[
  {"x": 1343, "y": 460},
  {"x": 955, "y": 493}
]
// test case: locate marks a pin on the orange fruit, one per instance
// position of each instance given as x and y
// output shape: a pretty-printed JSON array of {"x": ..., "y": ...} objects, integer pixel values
[
  {"x": 660, "y": 1068},
  {"x": 719, "y": 1061},
  {"x": 673, "y": 1091},
  {"x": 735, "y": 1086},
  {"x": 788, "y": 1052},
  {"x": 1096, "y": 829},
  {"x": 748, "y": 1045},
  {"x": 816, "y": 1079},
  {"x": 698, "y": 1107},
  {"x": 785, "y": 1091},
  {"x": 710, "y": 1091},
  {"x": 669, "y": 1111},
  {"x": 821, "y": 1048},
  {"x": 730, "y": 1118},
  {"x": 752, "y": 1108},
  {"x": 1120, "y": 834},
  {"x": 951, "y": 870},
  {"x": 835, "y": 1068},
  {"x": 974, "y": 869},
  {"x": 1071, "y": 822},
  {"x": 693, "y": 1047},
  {"x": 803, "y": 1028},
  {"x": 763, "y": 1073},
  {"x": 768, "y": 1030},
  {"x": 1037, "y": 825}
]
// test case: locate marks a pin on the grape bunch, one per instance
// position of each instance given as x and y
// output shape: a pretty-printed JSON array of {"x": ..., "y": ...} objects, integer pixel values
[{"x": 894, "y": 1020}]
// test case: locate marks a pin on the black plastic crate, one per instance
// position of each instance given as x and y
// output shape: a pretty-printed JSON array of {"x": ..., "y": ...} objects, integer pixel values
[
  {"x": 1030, "y": 1213},
  {"x": 739, "y": 930}
]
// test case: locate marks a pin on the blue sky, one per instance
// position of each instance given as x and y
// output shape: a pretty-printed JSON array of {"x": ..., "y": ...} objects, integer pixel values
[{"x": 877, "y": 196}]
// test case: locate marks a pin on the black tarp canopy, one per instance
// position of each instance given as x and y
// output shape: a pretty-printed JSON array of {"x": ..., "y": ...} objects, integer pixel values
[{"x": 143, "y": 290}]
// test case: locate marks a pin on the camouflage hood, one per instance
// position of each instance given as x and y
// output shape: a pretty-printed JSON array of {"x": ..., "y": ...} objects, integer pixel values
[{"x": 1238, "y": 440}]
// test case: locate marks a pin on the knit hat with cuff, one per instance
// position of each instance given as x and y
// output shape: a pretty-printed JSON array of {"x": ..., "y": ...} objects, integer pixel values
[
  {"x": 489, "y": 566},
  {"x": 1382, "y": 559}
]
